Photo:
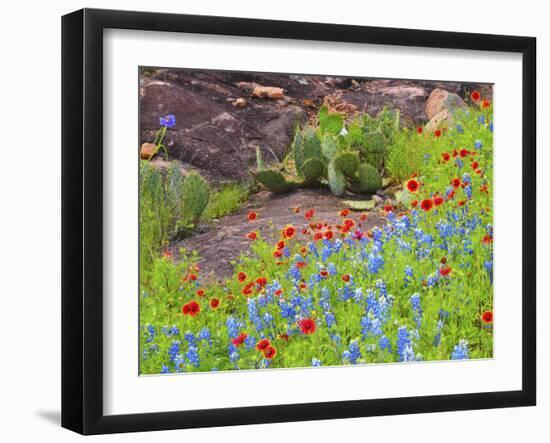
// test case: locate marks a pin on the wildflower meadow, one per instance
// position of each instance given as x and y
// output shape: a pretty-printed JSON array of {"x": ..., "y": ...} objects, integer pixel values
[{"x": 416, "y": 287}]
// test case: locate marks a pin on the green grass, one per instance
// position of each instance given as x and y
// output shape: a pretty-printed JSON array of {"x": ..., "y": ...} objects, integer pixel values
[{"x": 226, "y": 200}]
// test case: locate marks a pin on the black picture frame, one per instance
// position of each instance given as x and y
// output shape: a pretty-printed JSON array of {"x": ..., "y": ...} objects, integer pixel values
[{"x": 82, "y": 219}]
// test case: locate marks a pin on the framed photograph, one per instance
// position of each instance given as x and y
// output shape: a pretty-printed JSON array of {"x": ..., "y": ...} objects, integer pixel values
[{"x": 271, "y": 221}]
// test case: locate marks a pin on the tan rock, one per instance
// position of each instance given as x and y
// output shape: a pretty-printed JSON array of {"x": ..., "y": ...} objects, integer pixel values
[
  {"x": 440, "y": 99},
  {"x": 271, "y": 92},
  {"x": 147, "y": 150},
  {"x": 443, "y": 119},
  {"x": 240, "y": 103}
]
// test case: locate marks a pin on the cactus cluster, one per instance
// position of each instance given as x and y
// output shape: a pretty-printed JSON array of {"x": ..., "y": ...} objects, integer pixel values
[
  {"x": 347, "y": 158},
  {"x": 195, "y": 195}
]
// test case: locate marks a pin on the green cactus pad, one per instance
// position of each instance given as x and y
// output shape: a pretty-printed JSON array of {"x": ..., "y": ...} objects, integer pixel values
[
  {"x": 313, "y": 170},
  {"x": 336, "y": 180},
  {"x": 311, "y": 144},
  {"x": 347, "y": 162},
  {"x": 330, "y": 123},
  {"x": 273, "y": 180},
  {"x": 306, "y": 145},
  {"x": 195, "y": 194},
  {"x": 367, "y": 179},
  {"x": 329, "y": 147}
]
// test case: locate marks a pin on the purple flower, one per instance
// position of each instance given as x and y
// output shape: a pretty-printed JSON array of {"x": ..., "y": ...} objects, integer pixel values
[{"x": 168, "y": 120}]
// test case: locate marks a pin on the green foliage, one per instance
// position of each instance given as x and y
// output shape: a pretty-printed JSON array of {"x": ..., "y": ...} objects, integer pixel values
[
  {"x": 160, "y": 209},
  {"x": 406, "y": 154},
  {"x": 226, "y": 200},
  {"x": 347, "y": 162},
  {"x": 274, "y": 180},
  {"x": 313, "y": 170},
  {"x": 368, "y": 179},
  {"x": 355, "y": 136},
  {"x": 336, "y": 180},
  {"x": 330, "y": 123},
  {"x": 195, "y": 194}
]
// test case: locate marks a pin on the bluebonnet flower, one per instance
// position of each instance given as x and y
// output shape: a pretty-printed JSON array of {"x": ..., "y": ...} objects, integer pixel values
[
  {"x": 168, "y": 120},
  {"x": 415, "y": 303},
  {"x": 346, "y": 293},
  {"x": 152, "y": 333},
  {"x": 287, "y": 311},
  {"x": 316, "y": 362},
  {"x": 404, "y": 344},
  {"x": 324, "y": 299},
  {"x": 330, "y": 319},
  {"x": 358, "y": 295},
  {"x": 355, "y": 353},
  {"x": 205, "y": 335},
  {"x": 370, "y": 325},
  {"x": 408, "y": 273},
  {"x": 459, "y": 128},
  {"x": 233, "y": 326},
  {"x": 376, "y": 262},
  {"x": 165, "y": 369},
  {"x": 381, "y": 286},
  {"x": 294, "y": 273},
  {"x": 254, "y": 314},
  {"x": 460, "y": 351},
  {"x": 174, "y": 350},
  {"x": 432, "y": 280},
  {"x": 250, "y": 342},
  {"x": 468, "y": 192},
  {"x": 384, "y": 343},
  {"x": 437, "y": 338},
  {"x": 481, "y": 119},
  {"x": 459, "y": 163},
  {"x": 234, "y": 355},
  {"x": 445, "y": 229},
  {"x": 192, "y": 354},
  {"x": 467, "y": 246},
  {"x": 335, "y": 338},
  {"x": 170, "y": 332},
  {"x": 491, "y": 126},
  {"x": 478, "y": 144}
]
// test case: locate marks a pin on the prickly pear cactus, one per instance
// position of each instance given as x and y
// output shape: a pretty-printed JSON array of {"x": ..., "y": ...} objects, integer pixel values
[
  {"x": 308, "y": 156},
  {"x": 329, "y": 147},
  {"x": 195, "y": 194},
  {"x": 336, "y": 180},
  {"x": 331, "y": 123},
  {"x": 347, "y": 163},
  {"x": 313, "y": 170},
  {"x": 367, "y": 179},
  {"x": 274, "y": 180},
  {"x": 376, "y": 150}
]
